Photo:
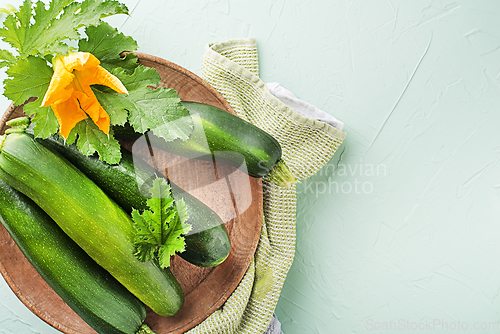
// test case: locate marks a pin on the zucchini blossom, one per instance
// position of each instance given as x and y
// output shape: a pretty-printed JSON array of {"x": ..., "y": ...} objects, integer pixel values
[{"x": 69, "y": 93}]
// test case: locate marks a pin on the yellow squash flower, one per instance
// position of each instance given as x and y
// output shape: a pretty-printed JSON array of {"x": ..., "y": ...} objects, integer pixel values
[{"x": 70, "y": 96}]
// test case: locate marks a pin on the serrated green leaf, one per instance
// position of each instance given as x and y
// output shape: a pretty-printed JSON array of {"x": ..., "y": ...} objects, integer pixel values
[
  {"x": 183, "y": 216},
  {"x": 76, "y": 15},
  {"x": 159, "y": 110},
  {"x": 55, "y": 48},
  {"x": 160, "y": 227},
  {"x": 90, "y": 139},
  {"x": 145, "y": 230},
  {"x": 29, "y": 77},
  {"x": 145, "y": 245},
  {"x": 37, "y": 29},
  {"x": 8, "y": 9},
  {"x": 19, "y": 30},
  {"x": 167, "y": 251},
  {"x": 160, "y": 196},
  {"x": 45, "y": 122},
  {"x": 7, "y": 59},
  {"x": 29, "y": 80},
  {"x": 110, "y": 101},
  {"x": 128, "y": 63},
  {"x": 106, "y": 43},
  {"x": 173, "y": 238},
  {"x": 15, "y": 26}
]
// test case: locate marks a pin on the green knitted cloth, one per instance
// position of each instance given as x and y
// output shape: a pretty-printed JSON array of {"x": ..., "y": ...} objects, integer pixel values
[{"x": 232, "y": 68}]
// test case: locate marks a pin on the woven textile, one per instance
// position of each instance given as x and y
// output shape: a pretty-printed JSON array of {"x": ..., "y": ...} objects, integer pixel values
[{"x": 232, "y": 68}]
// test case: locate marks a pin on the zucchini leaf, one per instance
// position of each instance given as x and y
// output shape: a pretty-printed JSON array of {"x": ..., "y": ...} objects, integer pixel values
[
  {"x": 29, "y": 79},
  {"x": 91, "y": 139},
  {"x": 106, "y": 43},
  {"x": 7, "y": 59},
  {"x": 35, "y": 29},
  {"x": 45, "y": 122},
  {"x": 159, "y": 110},
  {"x": 161, "y": 229}
]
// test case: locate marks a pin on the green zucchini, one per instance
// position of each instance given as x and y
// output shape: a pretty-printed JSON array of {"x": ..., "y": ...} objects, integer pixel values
[
  {"x": 225, "y": 136},
  {"x": 85, "y": 213},
  {"x": 90, "y": 291},
  {"x": 207, "y": 245}
]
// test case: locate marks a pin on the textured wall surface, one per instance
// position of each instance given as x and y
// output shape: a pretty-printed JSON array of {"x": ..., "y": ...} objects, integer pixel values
[{"x": 400, "y": 231}]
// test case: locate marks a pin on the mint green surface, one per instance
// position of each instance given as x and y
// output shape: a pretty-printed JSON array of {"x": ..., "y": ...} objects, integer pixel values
[{"x": 401, "y": 228}]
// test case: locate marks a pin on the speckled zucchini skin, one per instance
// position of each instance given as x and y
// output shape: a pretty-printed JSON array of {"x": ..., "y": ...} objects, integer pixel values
[
  {"x": 235, "y": 140},
  {"x": 85, "y": 213},
  {"x": 208, "y": 245},
  {"x": 102, "y": 302}
]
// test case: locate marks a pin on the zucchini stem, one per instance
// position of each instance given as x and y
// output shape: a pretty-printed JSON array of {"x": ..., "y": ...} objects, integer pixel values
[
  {"x": 18, "y": 124},
  {"x": 281, "y": 175},
  {"x": 144, "y": 329}
]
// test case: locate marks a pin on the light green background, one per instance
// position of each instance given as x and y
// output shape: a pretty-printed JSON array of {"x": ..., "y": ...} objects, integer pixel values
[{"x": 402, "y": 227}]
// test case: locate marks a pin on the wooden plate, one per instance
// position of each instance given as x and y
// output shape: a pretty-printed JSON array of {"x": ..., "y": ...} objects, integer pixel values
[{"x": 205, "y": 289}]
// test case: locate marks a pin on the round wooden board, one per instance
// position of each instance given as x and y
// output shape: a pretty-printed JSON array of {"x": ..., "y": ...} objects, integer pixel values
[{"x": 205, "y": 289}]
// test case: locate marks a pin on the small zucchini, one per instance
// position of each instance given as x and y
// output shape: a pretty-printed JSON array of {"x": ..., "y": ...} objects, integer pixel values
[
  {"x": 228, "y": 138},
  {"x": 90, "y": 291},
  {"x": 208, "y": 243},
  {"x": 88, "y": 216}
]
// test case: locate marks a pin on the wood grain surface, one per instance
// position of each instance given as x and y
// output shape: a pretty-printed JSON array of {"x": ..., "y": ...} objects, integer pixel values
[{"x": 233, "y": 195}]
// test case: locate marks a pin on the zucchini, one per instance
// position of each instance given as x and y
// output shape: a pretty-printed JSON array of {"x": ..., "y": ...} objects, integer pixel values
[
  {"x": 90, "y": 291},
  {"x": 85, "y": 213},
  {"x": 207, "y": 245},
  {"x": 225, "y": 136}
]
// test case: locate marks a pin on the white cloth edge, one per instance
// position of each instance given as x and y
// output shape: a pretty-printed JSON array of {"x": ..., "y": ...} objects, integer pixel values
[
  {"x": 302, "y": 107},
  {"x": 274, "y": 326},
  {"x": 214, "y": 55}
]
